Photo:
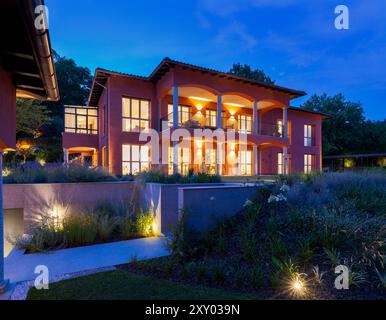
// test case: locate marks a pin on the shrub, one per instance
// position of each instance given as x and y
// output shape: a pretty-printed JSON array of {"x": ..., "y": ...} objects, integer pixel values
[
  {"x": 249, "y": 247},
  {"x": 188, "y": 270},
  {"x": 157, "y": 176},
  {"x": 144, "y": 224},
  {"x": 202, "y": 272},
  {"x": 184, "y": 242},
  {"x": 47, "y": 235},
  {"x": 56, "y": 174},
  {"x": 218, "y": 274},
  {"x": 80, "y": 229},
  {"x": 257, "y": 277}
]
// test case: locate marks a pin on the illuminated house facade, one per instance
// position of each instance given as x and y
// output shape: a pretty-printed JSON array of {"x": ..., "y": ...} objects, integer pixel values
[{"x": 279, "y": 139}]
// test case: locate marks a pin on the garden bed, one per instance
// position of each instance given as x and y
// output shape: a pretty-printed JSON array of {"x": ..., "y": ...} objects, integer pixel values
[
  {"x": 288, "y": 243},
  {"x": 105, "y": 223}
]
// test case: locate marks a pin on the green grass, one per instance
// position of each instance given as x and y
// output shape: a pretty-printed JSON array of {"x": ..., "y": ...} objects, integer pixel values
[{"x": 121, "y": 285}]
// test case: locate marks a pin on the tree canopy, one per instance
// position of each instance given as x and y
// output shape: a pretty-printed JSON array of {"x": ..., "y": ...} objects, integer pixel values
[
  {"x": 347, "y": 131},
  {"x": 31, "y": 116},
  {"x": 246, "y": 71}
]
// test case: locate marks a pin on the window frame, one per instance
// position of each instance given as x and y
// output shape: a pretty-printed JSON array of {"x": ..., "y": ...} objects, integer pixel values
[
  {"x": 182, "y": 166},
  {"x": 243, "y": 121},
  {"x": 76, "y": 114},
  {"x": 244, "y": 165},
  {"x": 211, "y": 118},
  {"x": 309, "y": 135},
  {"x": 309, "y": 160},
  {"x": 139, "y": 119},
  {"x": 142, "y": 164},
  {"x": 181, "y": 112},
  {"x": 280, "y": 163}
]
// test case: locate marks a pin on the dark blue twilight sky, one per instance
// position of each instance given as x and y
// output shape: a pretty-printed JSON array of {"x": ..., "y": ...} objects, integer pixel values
[{"x": 294, "y": 41}]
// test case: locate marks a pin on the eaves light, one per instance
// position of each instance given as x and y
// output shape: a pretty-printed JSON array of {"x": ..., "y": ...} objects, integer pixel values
[
  {"x": 234, "y": 105},
  {"x": 200, "y": 99}
]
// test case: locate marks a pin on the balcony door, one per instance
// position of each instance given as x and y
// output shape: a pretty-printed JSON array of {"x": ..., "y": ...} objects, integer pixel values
[{"x": 184, "y": 115}]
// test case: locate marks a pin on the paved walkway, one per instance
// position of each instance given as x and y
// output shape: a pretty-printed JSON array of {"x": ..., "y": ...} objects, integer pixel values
[{"x": 20, "y": 267}]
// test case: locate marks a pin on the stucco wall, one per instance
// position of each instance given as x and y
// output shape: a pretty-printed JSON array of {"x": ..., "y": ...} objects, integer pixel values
[{"x": 7, "y": 111}]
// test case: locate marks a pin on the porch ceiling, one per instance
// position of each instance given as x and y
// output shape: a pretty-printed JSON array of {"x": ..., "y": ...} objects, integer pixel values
[{"x": 198, "y": 94}]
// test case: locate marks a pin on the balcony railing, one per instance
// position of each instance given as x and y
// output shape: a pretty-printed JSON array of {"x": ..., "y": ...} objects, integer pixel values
[{"x": 200, "y": 121}]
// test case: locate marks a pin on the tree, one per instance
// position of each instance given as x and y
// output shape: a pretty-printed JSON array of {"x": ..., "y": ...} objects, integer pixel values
[
  {"x": 31, "y": 116},
  {"x": 74, "y": 86},
  {"x": 347, "y": 132},
  {"x": 246, "y": 71}
]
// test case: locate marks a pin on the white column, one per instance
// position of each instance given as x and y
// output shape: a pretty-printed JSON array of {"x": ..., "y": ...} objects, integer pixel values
[
  {"x": 285, "y": 160},
  {"x": 255, "y": 161},
  {"x": 285, "y": 123},
  {"x": 175, "y": 107},
  {"x": 219, "y": 112},
  {"x": 65, "y": 157},
  {"x": 3, "y": 283},
  {"x": 175, "y": 157},
  {"x": 255, "y": 117}
]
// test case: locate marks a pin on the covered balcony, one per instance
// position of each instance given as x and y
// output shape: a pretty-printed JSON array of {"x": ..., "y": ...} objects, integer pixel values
[
  {"x": 265, "y": 121},
  {"x": 197, "y": 108}
]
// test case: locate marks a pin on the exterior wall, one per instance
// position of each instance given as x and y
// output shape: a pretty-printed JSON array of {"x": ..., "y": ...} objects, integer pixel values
[
  {"x": 296, "y": 148},
  {"x": 73, "y": 140},
  {"x": 118, "y": 88},
  {"x": 7, "y": 111}
]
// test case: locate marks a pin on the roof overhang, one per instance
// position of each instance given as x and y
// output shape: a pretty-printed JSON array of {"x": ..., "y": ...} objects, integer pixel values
[
  {"x": 321, "y": 114},
  {"x": 101, "y": 76},
  {"x": 25, "y": 51}
]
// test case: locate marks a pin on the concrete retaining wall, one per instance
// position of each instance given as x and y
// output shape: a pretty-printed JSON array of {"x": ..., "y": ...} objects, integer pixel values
[
  {"x": 163, "y": 198},
  {"x": 35, "y": 199},
  {"x": 205, "y": 202},
  {"x": 205, "y": 206}
]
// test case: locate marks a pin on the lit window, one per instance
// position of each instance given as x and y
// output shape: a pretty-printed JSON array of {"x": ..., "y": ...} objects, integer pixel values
[
  {"x": 211, "y": 118},
  {"x": 81, "y": 120},
  {"x": 184, "y": 115},
  {"x": 308, "y": 163},
  {"x": 280, "y": 163},
  {"x": 245, "y": 124},
  {"x": 245, "y": 163},
  {"x": 135, "y": 159},
  {"x": 136, "y": 115},
  {"x": 184, "y": 162},
  {"x": 280, "y": 128},
  {"x": 210, "y": 160},
  {"x": 308, "y": 135}
]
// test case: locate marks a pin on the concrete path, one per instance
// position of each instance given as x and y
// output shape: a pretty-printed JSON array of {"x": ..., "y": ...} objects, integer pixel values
[{"x": 20, "y": 267}]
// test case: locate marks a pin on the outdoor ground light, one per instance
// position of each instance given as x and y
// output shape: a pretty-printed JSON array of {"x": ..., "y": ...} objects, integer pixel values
[{"x": 297, "y": 286}]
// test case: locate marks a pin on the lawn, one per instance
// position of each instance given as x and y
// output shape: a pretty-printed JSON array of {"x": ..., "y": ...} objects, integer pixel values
[{"x": 122, "y": 285}]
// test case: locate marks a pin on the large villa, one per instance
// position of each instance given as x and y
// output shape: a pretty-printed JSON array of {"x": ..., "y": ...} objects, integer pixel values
[{"x": 280, "y": 139}]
